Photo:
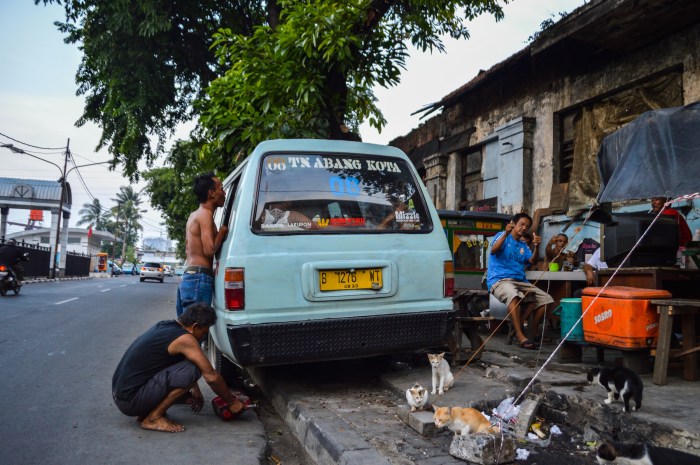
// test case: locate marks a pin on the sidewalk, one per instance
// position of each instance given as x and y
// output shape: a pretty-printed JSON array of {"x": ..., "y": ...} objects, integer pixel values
[
  {"x": 92, "y": 275},
  {"x": 334, "y": 434}
]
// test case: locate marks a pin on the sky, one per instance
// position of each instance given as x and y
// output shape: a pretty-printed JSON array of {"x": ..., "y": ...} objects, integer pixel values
[{"x": 39, "y": 105}]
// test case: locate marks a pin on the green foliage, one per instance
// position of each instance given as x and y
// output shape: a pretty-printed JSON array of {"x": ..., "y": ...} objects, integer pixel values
[
  {"x": 93, "y": 215},
  {"x": 249, "y": 70},
  {"x": 144, "y": 62},
  {"x": 545, "y": 25},
  {"x": 312, "y": 74},
  {"x": 170, "y": 188}
]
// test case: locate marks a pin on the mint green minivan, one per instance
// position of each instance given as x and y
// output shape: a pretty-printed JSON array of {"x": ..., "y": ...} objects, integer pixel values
[{"x": 334, "y": 251}]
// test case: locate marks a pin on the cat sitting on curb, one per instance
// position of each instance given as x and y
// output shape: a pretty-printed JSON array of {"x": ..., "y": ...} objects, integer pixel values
[
  {"x": 442, "y": 376},
  {"x": 417, "y": 397},
  {"x": 618, "y": 382},
  {"x": 463, "y": 421}
]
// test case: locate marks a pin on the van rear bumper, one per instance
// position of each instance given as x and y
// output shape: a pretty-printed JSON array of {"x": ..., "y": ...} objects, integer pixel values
[{"x": 316, "y": 340}]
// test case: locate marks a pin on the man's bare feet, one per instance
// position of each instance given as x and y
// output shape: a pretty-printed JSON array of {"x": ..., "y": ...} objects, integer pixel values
[{"x": 162, "y": 424}]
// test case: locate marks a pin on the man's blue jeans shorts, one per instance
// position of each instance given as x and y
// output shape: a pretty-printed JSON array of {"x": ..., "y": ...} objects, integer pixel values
[{"x": 194, "y": 287}]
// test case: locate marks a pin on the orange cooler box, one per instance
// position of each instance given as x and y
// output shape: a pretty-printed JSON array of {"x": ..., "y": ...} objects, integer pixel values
[{"x": 621, "y": 316}]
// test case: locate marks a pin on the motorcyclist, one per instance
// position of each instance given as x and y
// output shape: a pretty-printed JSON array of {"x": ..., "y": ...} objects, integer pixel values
[{"x": 11, "y": 255}]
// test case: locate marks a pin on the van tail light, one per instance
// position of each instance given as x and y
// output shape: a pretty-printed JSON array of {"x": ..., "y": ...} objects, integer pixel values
[
  {"x": 449, "y": 285},
  {"x": 3, "y": 268},
  {"x": 234, "y": 288}
]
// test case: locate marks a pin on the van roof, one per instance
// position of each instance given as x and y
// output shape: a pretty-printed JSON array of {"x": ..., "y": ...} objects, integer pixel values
[
  {"x": 325, "y": 145},
  {"x": 317, "y": 145}
]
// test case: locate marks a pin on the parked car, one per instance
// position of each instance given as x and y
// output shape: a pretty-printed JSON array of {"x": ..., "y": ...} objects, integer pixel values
[
  {"x": 152, "y": 270},
  {"x": 335, "y": 251},
  {"x": 129, "y": 268},
  {"x": 179, "y": 270},
  {"x": 167, "y": 270}
]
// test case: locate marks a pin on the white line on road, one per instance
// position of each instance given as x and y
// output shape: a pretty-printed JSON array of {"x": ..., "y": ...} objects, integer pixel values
[
  {"x": 123, "y": 285},
  {"x": 64, "y": 301},
  {"x": 105, "y": 290}
]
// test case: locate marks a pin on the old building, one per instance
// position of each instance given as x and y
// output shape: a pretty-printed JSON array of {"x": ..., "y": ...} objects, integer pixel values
[{"x": 523, "y": 135}]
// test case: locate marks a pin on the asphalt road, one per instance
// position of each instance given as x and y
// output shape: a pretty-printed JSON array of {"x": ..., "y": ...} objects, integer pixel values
[{"x": 59, "y": 345}]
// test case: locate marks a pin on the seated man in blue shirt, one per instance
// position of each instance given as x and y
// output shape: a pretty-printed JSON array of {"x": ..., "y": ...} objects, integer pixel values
[{"x": 505, "y": 276}]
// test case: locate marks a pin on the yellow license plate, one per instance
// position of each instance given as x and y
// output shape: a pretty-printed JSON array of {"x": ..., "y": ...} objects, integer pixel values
[{"x": 341, "y": 280}]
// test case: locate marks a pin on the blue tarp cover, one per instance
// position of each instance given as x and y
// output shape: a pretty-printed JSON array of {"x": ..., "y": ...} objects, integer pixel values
[{"x": 657, "y": 154}]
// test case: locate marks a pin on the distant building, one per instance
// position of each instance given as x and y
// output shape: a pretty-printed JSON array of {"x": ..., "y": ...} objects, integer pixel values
[
  {"x": 78, "y": 240},
  {"x": 160, "y": 244}
]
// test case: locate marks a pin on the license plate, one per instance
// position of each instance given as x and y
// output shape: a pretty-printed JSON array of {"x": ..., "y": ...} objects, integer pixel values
[{"x": 341, "y": 280}]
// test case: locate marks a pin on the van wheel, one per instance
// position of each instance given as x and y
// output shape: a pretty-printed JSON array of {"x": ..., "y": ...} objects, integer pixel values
[
  {"x": 161, "y": 280},
  {"x": 232, "y": 374},
  {"x": 142, "y": 279}
]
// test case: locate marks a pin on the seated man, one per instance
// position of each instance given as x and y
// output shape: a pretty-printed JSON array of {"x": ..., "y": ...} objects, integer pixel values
[
  {"x": 505, "y": 276},
  {"x": 163, "y": 365},
  {"x": 658, "y": 204},
  {"x": 592, "y": 264},
  {"x": 555, "y": 253}
]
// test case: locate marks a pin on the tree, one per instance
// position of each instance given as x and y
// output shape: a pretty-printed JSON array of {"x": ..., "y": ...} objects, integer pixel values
[
  {"x": 311, "y": 74},
  {"x": 170, "y": 188},
  {"x": 125, "y": 223},
  {"x": 286, "y": 68},
  {"x": 93, "y": 215}
]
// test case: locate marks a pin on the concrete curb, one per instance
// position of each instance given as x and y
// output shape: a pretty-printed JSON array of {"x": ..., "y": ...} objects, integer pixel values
[{"x": 328, "y": 439}]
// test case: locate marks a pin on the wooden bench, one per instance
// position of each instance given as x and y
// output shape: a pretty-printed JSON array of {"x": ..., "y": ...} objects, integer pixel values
[
  {"x": 687, "y": 309},
  {"x": 467, "y": 325}
]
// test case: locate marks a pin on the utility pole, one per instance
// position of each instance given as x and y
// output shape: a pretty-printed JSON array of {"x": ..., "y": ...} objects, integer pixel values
[{"x": 57, "y": 255}]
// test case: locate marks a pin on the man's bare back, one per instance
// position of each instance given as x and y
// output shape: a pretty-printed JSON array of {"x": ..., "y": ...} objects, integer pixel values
[{"x": 202, "y": 239}]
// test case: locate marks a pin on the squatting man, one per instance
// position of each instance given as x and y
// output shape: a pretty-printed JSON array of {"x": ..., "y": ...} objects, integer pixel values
[{"x": 161, "y": 368}]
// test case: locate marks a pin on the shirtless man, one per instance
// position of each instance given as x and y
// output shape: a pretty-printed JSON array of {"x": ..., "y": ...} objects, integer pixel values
[
  {"x": 161, "y": 368},
  {"x": 202, "y": 240}
]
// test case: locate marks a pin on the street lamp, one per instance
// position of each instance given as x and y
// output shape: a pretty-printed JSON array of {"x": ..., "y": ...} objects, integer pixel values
[{"x": 56, "y": 255}]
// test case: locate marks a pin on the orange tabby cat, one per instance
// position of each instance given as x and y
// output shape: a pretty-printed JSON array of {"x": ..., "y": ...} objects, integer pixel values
[{"x": 463, "y": 420}]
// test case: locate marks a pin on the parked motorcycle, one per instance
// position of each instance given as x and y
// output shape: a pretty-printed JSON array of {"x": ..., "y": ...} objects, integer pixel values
[{"x": 8, "y": 277}]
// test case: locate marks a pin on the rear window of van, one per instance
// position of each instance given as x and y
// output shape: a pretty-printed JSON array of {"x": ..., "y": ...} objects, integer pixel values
[{"x": 302, "y": 193}]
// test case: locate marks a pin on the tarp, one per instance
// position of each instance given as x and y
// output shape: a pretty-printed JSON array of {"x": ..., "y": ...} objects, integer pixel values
[{"x": 657, "y": 154}]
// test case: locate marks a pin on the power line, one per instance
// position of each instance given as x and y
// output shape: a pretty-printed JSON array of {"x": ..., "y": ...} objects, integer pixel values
[{"x": 30, "y": 145}]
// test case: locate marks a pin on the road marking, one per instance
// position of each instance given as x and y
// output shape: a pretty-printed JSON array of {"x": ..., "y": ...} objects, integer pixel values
[
  {"x": 64, "y": 301},
  {"x": 105, "y": 290},
  {"x": 123, "y": 285}
]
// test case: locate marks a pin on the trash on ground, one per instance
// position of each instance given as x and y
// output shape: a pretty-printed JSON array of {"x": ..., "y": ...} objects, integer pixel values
[
  {"x": 506, "y": 411},
  {"x": 521, "y": 454}
]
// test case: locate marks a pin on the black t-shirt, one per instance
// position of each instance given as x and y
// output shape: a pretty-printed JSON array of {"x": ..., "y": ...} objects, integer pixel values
[{"x": 146, "y": 356}]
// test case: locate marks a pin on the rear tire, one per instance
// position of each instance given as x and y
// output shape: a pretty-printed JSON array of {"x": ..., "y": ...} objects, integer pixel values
[
  {"x": 3, "y": 291},
  {"x": 161, "y": 280},
  {"x": 142, "y": 279},
  {"x": 17, "y": 289},
  {"x": 232, "y": 374}
]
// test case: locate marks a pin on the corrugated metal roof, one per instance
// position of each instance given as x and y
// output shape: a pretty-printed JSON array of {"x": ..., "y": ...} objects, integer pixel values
[
  {"x": 30, "y": 188},
  {"x": 34, "y": 189}
]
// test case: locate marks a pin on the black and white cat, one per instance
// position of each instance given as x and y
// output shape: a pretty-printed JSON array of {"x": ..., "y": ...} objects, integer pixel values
[
  {"x": 611, "y": 452},
  {"x": 619, "y": 382}
]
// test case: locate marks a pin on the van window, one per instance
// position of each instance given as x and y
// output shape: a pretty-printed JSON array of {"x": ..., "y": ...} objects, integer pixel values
[{"x": 303, "y": 193}]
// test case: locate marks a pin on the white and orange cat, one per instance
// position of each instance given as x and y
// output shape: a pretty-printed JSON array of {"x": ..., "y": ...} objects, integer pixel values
[
  {"x": 463, "y": 420},
  {"x": 417, "y": 397},
  {"x": 442, "y": 376}
]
